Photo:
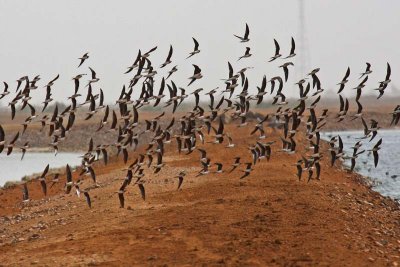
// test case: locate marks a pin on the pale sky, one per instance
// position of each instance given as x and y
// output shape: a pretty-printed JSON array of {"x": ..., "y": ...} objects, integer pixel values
[{"x": 47, "y": 37}]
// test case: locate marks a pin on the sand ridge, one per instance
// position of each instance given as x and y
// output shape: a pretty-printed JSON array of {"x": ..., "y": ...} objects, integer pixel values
[{"x": 268, "y": 219}]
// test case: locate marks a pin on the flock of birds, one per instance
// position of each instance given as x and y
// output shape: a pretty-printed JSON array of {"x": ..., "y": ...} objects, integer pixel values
[{"x": 195, "y": 126}]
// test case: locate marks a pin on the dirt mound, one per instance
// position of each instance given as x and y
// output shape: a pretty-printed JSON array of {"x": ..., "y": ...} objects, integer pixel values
[{"x": 267, "y": 219}]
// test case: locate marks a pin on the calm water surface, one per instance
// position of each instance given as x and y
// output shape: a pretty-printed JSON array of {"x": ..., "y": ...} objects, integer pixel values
[
  {"x": 13, "y": 169},
  {"x": 387, "y": 174}
]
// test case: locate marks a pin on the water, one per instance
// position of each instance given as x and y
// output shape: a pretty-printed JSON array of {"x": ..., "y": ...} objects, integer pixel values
[
  {"x": 387, "y": 174},
  {"x": 13, "y": 169}
]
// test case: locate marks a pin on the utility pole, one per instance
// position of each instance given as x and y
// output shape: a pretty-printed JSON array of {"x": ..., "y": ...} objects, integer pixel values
[{"x": 302, "y": 44}]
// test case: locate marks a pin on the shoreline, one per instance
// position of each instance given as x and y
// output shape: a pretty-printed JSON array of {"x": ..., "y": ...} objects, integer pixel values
[
  {"x": 49, "y": 150},
  {"x": 271, "y": 217},
  {"x": 382, "y": 178},
  {"x": 33, "y": 174}
]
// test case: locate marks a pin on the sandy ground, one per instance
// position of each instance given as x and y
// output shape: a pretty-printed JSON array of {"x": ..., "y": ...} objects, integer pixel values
[{"x": 269, "y": 218}]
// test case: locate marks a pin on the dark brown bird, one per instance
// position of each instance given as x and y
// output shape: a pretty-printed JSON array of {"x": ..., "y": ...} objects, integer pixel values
[
  {"x": 83, "y": 58},
  {"x": 42, "y": 179},
  {"x": 245, "y": 38},
  {"x": 180, "y": 177},
  {"x": 88, "y": 200},
  {"x": 196, "y": 49},
  {"x": 247, "y": 171}
]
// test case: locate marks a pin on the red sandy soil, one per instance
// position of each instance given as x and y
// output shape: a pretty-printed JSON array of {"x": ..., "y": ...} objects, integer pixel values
[{"x": 269, "y": 218}]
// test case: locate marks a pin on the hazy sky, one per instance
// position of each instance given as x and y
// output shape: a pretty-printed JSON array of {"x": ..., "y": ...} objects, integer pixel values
[{"x": 47, "y": 37}]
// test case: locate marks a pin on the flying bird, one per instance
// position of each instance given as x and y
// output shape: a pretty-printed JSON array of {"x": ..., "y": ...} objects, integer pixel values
[
  {"x": 196, "y": 49},
  {"x": 147, "y": 54},
  {"x": 42, "y": 180},
  {"x": 375, "y": 150},
  {"x": 245, "y": 38},
  {"x": 299, "y": 167},
  {"x": 246, "y": 54},
  {"x": 87, "y": 197},
  {"x": 344, "y": 80},
  {"x": 5, "y": 92},
  {"x": 180, "y": 177},
  {"x": 247, "y": 171},
  {"x": 69, "y": 182},
  {"x": 286, "y": 70},
  {"x": 277, "y": 55},
  {"x": 235, "y": 164},
  {"x": 10, "y": 146},
  {"x": 83, "y": 58},
  {"x": 23, "y": 149},
  {"x": 168, "y": 60},
  {"x": 367, "y": 71},
  {"x": 196, "y": 74},
  {"x": 51, "y": 83},
  {"x": 174, "y": 69},
  {"x": 94, "y": 77},
  {"x": 292, "y": 50},
  {"x": 383, "y": 84}
]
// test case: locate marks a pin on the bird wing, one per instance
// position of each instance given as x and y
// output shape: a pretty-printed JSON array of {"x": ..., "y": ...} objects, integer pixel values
[
  {"x": 69, "y": 174},
  {"x": 220, "y": 126},
  {"x": 197, "y": 70},
  {"x": 347, "y": 74},
  {"x": 388, "y": 72},
  {"x": 196, "y": 44},
  {"x": 180, "y": 182},
  {"x": 277, "y": 48},
  {"x": 15, "y": 138},
  {"x": 2, "y": 134},
  {"x": 142, "y": 191},
  {"x": 169, "y": 53},
  {"x": 292, "y": 49},
  {"x": 88, "y": 201},
  {"x": 151, "y": 50},
  {"x": 93, "y": 73},
  {"x": 121, "y": 200},
  {"x": 376, "y": 158},
  {"x": 45, "y": 171},
  {"x": 247, "y": 32}
]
